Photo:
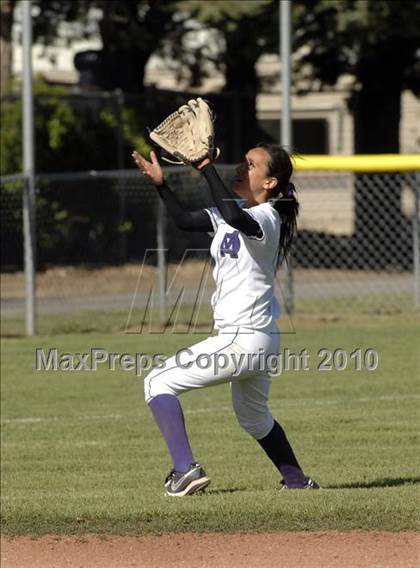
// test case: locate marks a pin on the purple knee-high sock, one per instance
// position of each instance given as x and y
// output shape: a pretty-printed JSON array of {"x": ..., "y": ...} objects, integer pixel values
[
  {"x": 277, "y": 447},
  {"x": 168, "y": 414}
]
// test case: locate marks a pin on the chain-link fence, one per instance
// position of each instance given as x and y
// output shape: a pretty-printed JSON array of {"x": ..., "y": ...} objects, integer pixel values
[{"x": 97, "y": 236}]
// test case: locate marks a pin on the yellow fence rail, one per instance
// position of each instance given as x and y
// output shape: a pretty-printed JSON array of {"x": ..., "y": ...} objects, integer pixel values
[{"x": 359, "y": 163}]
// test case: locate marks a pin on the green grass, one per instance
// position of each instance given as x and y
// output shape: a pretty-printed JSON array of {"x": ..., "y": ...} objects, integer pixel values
[
  {"x": 113, "y": 321},
  {"x": 81, "y": 454},
  {"x": 85, "y": 321},
  {"x": 368, "y": 304},
  {"x": 97, "y": 321}
]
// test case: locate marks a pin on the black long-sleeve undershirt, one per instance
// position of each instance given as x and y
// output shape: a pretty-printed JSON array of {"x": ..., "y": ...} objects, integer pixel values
[
  {"x": 186, "y": 220},
  {"x": 227, "y": 205},
  {"x": 224, "y": 200}
]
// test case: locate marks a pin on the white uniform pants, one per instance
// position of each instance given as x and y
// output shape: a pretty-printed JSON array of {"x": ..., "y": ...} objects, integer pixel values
[{"x": 238, "y": 356}]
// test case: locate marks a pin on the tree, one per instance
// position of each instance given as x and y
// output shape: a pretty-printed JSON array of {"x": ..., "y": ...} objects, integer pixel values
[
  {"x": 71, "y": 134},
  {"x": 6, "y": 24},
  {"x": 244, "y": 31},
  {"x": 76, "y": 218},
  {"x": 130, "y": 30},
  {"x": 375, "y": 42}
]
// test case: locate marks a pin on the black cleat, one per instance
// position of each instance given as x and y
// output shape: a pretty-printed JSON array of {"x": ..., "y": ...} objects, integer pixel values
[
  {"x": 310, "y": 484},
  {"x": 180, "y": 484}
]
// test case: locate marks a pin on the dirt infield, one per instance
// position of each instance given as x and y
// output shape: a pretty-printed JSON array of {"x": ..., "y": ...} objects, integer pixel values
[{"x": 280, "y": 550}]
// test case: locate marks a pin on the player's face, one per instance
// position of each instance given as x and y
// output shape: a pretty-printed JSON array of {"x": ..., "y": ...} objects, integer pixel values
[{"x": 251, "y": 179}]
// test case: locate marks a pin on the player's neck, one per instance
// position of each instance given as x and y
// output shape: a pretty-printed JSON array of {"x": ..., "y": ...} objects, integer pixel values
[{"x": 252, "y": 202}]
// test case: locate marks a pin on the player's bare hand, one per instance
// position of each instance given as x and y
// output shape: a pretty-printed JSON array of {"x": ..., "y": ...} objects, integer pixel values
[{"x": 150, "y": 169}]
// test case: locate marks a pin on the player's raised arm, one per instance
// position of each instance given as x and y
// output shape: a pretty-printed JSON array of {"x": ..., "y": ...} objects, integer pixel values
[
  {"x": 186, "y": 220},
  {"x": 226, "y": 203}
]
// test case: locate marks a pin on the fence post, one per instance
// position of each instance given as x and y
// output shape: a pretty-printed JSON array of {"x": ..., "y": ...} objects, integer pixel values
[
  {"x": 416, "y": 239},
  {"x": 122, "y": 208},
  {"x": 161, "y": 259},
  {"x": 28, "y": 197},
  {"x": 29, "y": 253},
  {"x": 285, "y": 25}
]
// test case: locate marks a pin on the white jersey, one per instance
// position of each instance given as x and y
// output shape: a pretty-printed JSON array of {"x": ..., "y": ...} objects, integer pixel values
[{"x": 245, "y": 270}]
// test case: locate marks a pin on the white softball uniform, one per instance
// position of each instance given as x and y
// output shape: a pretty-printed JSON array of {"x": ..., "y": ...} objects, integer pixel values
[
  {"x": 245, "y": 269},
  {"x": 245, "y": 314}
]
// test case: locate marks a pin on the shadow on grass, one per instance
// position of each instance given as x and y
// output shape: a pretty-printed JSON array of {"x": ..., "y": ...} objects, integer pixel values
[
  {"x": 387, "y": 482},
  {"x": 222, "y": 491}
]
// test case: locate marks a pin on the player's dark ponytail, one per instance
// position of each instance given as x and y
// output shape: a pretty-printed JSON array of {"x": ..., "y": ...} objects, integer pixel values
[{"x": 280, "y": 166}]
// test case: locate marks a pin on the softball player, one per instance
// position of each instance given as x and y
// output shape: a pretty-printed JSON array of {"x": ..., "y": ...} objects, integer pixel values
[{"x": 247, "y": 241}]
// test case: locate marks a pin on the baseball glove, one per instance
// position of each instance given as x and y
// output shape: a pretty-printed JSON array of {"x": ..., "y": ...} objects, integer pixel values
[{"x": 187, "y": 133}]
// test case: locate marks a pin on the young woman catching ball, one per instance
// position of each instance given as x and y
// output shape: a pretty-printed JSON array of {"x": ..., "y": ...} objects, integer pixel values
[{"x": 247, "y": 242}]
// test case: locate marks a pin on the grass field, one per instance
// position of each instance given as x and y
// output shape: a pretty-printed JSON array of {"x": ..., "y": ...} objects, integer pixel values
[{"x": 81, "y": 454}]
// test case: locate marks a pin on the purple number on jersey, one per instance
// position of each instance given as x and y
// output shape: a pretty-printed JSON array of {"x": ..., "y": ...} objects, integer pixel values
[{"x": 230, "y": 244}]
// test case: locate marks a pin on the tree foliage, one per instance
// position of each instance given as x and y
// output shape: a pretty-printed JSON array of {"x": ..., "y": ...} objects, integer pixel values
[
  {"x": 6, "y": 22},
  {"x": 71, "y": 133},
  {"x": 239, "y": 33},
  {"x": 373, "y": 41},
  {"x": 130, "y": 32},
  {"x": 340, "y": 35},
  {"x": 76, "y": 219}
]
